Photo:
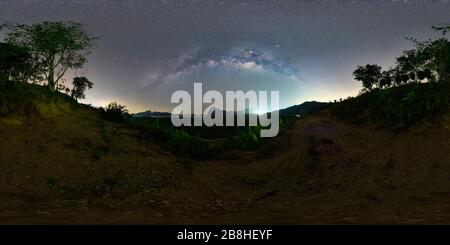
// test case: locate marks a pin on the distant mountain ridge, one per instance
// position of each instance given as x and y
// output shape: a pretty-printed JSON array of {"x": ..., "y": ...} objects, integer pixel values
[
  {"x": 306, "y": 108},
  {"x": 152, "y": 114}
]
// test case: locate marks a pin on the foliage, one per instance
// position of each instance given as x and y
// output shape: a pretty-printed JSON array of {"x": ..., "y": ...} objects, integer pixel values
[
  {"x": 368, "y": 75},
  {"x": 114, "y": 112},
  {"x": 414, "y": 100},
  {"x": 191, "y": 141},
  {"x": 430, "y": 55},
  {"x": 14, "y": 62},
  {"x": 429, "y": 60},
  {"x": 398, "y": 106},
  {"x": 175, "y": 139},
  {"x": 80, "y": 84},
  {"x": 55, "y": 48}
]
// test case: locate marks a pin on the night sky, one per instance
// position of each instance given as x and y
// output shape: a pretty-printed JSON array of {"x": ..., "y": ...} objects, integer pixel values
[{"x": 305, "y": 49}]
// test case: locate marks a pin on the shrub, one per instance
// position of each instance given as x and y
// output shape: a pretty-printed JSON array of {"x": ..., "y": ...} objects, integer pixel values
[{"x": 114, "y": 112}]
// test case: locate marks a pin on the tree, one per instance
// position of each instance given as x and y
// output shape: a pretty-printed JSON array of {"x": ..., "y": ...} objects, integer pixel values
[
  {"x": 439, "y": 61},
  {"x": 442, "y": 28},
  {"x": 408, "y": 62},
  {"x": 424, "y": 74},
  {"x": 14, "y": 62},
  {"x": 368, "y": 75},
  {"x": 55, "y": 47},
  {"x": 80, "y": 84},
  {"x": 385, "y": 79},
  {"x": 433, "y": 55}
]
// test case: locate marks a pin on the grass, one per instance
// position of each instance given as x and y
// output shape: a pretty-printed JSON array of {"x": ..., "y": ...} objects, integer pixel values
[{"x": 32, "y": 100}]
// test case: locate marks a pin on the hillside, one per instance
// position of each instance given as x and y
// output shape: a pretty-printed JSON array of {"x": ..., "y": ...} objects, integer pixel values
[
  {"x": 304, "y": 109},
  {"x": 397, "y": 107},
  {"x": 60, "y": 162},
  {"x": 155, "y": 114},
  {"x": 56, "y": 147}
]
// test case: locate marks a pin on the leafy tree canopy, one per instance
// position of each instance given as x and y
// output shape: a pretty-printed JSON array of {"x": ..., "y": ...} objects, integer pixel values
[
  {"x": 428, "y": 60},
  {"x": 368, "y": 75},
  {"x": 80, "y": 84},
  {"x": 14, "y": 61},
  {"x": 55, "y": 47}
]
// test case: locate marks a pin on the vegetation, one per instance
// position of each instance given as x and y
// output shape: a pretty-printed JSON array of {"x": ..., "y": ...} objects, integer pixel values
[
  {"x": 114, "y": 112},
  {"x": 80, "y": 84},
  {"x": 14, "y": 62},
  {"x": 31, "y": 100},
  {"x": 397, "y": 107},
  {"x": 201, "y": 142},
  {"x": 368, "y": 75},
  {"x": 53, "y": 48},
  {"x": 38, "y": 53},
  {"x": 429, "y": 61},
  {"x": 417, "y": 88}
]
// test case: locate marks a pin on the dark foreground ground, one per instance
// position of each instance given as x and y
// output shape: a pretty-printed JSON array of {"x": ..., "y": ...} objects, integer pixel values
[{"x": 318, "y": 171}]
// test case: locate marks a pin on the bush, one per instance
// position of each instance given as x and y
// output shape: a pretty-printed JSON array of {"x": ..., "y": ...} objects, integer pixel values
[{"x": 114, "y": 112}]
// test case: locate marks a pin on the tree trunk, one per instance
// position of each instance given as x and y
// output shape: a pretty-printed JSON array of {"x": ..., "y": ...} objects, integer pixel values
[{"x": 51, "y": 75}]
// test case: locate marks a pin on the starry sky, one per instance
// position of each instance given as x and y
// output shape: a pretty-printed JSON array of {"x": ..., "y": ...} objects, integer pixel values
[{"x": 305, "y": 49}]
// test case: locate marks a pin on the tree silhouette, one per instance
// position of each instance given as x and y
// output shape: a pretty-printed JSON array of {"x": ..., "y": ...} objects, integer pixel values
[
  {"x": 385, "y": 79},
  {"x": 407, "y": 63},
  {"x": 428, "y": 60},
  {"x": 80, "y": 84},
  {"x": 368, "y": 75},
  {"x": 114, "y": 112},
  {"x": 442, "y": 28},
  {"x": 14, "y": 62},
  {"x": 55, "y": 47}
]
